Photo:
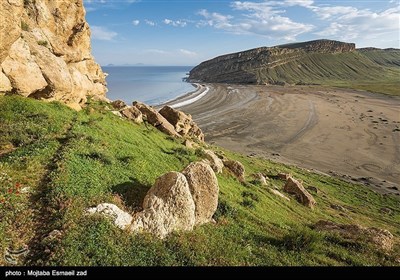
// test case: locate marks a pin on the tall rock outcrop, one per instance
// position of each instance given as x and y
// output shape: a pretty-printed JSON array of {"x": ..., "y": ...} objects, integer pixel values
[{"x": 45, "y": 52}]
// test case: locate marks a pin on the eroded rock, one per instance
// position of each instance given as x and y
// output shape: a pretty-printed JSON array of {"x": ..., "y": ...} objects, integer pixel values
[
  {"x": 236, "y": 168},
  {"x": 133, "y": 114},
  {"x": 168, "y": 206},
  {"x": 120, "y": 218},
  {"x": 293, "y": 186},
  {"x": 381, "y": 238},
  {"x": 215, "y": 162},
  {"x": 203, "y": 185}
]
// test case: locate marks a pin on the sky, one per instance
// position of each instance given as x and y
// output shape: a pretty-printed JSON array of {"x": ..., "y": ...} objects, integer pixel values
[{"x": 187, "y": 32}]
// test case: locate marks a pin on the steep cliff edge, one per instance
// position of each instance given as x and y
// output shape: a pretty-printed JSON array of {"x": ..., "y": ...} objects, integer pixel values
[
  {"x": 45, "y": 52},
  {"x": 313, "y": 62}
]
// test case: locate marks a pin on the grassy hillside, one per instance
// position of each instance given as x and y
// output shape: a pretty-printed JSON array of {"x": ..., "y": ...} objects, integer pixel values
[
  {"x": 55, "y": 162},
  {"x": 376, "y": 71}
]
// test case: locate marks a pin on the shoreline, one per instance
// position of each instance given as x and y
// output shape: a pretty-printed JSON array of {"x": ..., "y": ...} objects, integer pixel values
[
  {"x": 349, "y": 134},
  {"x": 186, "y": 98}
]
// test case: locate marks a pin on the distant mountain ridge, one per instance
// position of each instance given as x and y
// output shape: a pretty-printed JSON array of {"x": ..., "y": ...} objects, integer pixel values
[{"x": 313, "y": 62}]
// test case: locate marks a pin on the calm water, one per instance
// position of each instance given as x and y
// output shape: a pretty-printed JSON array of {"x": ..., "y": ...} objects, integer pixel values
[{"x": 150, "y": 84}]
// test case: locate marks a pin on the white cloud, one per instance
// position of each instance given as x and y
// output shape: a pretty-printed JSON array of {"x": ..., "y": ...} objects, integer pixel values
[
  {"x": 187, "y": 52},
  {"x": 102, "y": 33},
  {"x": 149, "y": 22},
  {"x": 135, "y": 22},
  {"x": 175, "y": 23},
  {"x": 155, "y": 51}
]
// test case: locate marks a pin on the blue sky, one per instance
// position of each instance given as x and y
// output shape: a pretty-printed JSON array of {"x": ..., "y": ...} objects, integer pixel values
[{"x": 178, "y": 32}]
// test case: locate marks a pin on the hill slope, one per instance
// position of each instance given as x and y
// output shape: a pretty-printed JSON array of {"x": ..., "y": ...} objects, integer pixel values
[
  {"x": 316, "y": 62},
  {"x": 56, "y": 162}
]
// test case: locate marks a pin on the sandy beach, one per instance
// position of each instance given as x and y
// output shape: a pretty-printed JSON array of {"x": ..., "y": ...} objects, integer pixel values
[{"x": 346, "y": 133}]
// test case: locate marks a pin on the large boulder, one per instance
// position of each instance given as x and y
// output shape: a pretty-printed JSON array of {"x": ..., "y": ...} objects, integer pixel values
[
  {"x": 133, "y": 114},
  {"x": 236, "y": 168},
  {"x": 203, "y": 185},
  {"x": 381, "y": 238},
  {"x": 182, "y": 123},
  {"x": 156, "y": 119},
  {"x": 118, "y": 104},
  {"x": 120, "y": 218},
  {"x": 168, "y": 206},
  {"x": 215, "y": 162}
]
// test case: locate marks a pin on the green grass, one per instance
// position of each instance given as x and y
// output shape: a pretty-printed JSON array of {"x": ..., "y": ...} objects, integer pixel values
[{"x": 72, "y": 161}]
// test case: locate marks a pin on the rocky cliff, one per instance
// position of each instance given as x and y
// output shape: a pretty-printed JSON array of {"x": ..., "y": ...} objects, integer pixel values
[
  {"x": 267, "y": 64},
  {"x": 45, "y": 52}
]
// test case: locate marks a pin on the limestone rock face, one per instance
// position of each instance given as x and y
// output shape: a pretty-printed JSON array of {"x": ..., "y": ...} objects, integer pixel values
[
  {"x": 182, "y": 123},
  {"x": 168, "y": 206},
  {"x": 45, "y": 52},
  {"x": 293, "y": 186},
  {"x": 203, "y": 185}
]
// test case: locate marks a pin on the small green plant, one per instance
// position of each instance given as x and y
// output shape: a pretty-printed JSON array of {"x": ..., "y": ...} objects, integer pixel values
[
  {"x": 301, "y": 240},
  {"x": 24, "y": 26},
  {"x": 9, "y": 192},
  {"x": 43, "y": 43}
]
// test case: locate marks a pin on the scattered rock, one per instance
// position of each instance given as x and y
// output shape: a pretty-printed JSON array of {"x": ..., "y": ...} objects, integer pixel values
[
  {"x": 380, "y": 237},
  {"x": 189, "y": 144},
  {"x": 236, "y": 168},
  {"x": 338, "y": 207},
  {"x": 260, "y": 178},
  {"x": 284, "y": 176},
  {"x": 121, "y": 219},
  {"x": 313, "y": 189},
  {"x": 293, "y": 186},
  {"x": 182, "y": 123},
  {"x": 117, "y": 113},
  {"x": 155, "y": 119},
  {"x": 215, "y": 162},
  {"x": 278, "y": 193},
  {"x": 168, "y": 206},
  {"x": 118, "y": 104},
  {"x": 133, "y": 114},
  {"x": 386, "y": 210},
  {"x": 203, "y": 185}
]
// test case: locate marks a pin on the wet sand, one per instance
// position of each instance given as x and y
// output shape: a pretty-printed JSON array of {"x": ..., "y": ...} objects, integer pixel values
[{"x": 346, "y": 133}]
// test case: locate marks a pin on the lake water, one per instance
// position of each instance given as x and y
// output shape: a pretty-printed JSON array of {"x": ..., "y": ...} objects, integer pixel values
[{"x": 149, "y": 84}]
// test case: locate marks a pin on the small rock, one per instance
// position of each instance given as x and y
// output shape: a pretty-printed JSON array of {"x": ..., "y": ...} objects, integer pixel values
[
  {"x": 215, "y": 162},
  {"x": 117, "y": 113},
  {"x": 386, "y": 210},
  {"x": 118, "y": 104},
  {"x": 156, "y": 119},
  {"x": 293, "y": 186},
  {"x": 121, "y": 219},
  {"x": 284, "y": 176},
  {"x": 189, "y": 144},
  {"x": 133, "y": 114},
  {"x": 278, "y": 193},
  {"x": 260, "y": 178},
  {"x": 236, "y": 167},
  {"x": 338, "y": 207}
]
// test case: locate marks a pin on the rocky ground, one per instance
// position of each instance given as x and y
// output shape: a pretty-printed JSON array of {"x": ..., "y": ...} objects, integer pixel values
[{"x": 347, "y": 133}]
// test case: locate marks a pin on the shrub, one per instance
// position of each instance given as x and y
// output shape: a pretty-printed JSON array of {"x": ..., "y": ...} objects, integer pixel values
[
  {"x": 43, "y": 43},
  {"x": 300, "y": 240},
  {"x": 24, "y": 26}
]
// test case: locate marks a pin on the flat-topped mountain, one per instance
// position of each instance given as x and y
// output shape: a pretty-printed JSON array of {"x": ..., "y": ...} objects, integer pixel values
[{"x": 313, "y": 62}]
